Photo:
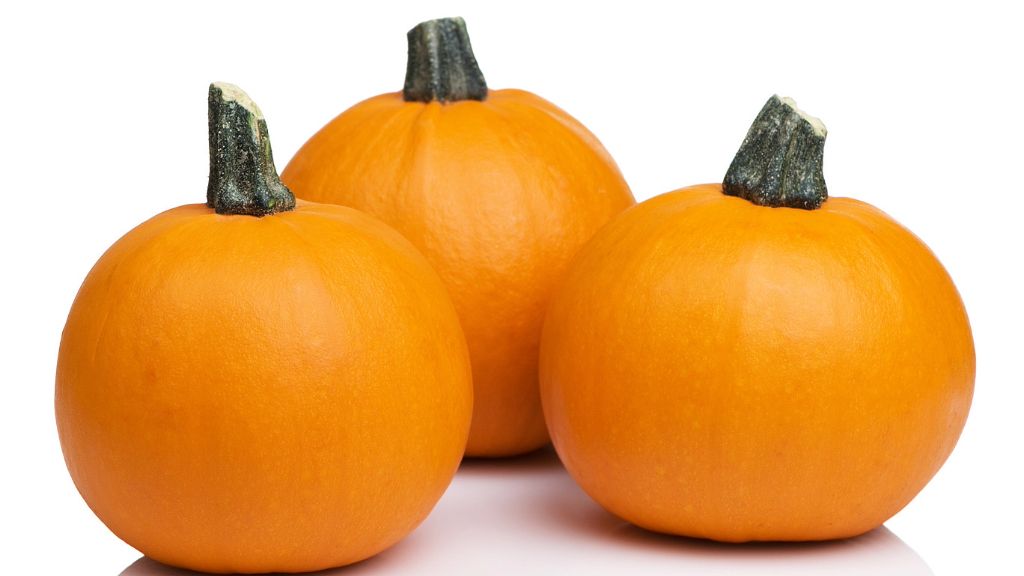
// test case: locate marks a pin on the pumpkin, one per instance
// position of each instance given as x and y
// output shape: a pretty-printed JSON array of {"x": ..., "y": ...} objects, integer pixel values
[
  {"x": 498, "y": 189},
  {"x": 754, "y": 360},
  {"x": 261, "y": 384}
]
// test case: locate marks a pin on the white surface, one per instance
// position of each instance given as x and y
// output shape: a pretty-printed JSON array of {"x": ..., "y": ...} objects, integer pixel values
[
  {"x": 526, "y": 516},
  {"x": 103, "y": 124}
]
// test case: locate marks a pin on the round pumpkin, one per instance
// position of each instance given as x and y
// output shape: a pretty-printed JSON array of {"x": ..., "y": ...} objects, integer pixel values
[
  {"x": 755, "y": 360},
  {"x": 498, "y": 189},
  {"x": 260, "y": 384}
]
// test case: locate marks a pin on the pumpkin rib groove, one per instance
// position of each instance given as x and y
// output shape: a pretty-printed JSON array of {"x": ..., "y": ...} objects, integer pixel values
[{"x": 578, "y": 130}]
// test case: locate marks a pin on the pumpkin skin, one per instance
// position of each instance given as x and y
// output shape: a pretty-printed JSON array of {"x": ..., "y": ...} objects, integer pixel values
[
  {"x": 717, "y": 369},
  {"x": 498, "y": 195},
  {"x": 249, "y": 394},
  {"x": 239, "y": 394}
]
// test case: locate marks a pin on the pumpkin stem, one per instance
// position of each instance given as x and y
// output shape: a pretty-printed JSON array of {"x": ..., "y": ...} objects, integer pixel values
[
  {"x": 779, "y": 162},
  {"x": 243, "y": 179},
  {"x": 441, "y": 64}
]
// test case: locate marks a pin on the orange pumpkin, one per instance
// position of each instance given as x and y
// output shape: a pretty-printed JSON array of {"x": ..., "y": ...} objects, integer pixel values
[
  {"x": 498, "y": 188},
  {"x": 261, "y": 384},
  {"x": 765, "y": 363}
]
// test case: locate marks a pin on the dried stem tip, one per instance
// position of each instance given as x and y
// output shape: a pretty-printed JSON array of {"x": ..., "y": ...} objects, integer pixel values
[
  {"x": 243, "y": 179},
  {"x": 441, "y": 64},
  {"x": 779, "y": 162}
]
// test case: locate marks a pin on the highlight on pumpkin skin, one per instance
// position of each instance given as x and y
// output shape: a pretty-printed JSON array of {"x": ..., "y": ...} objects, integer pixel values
[
  {"x": 768, "y": 367},
  {"x": 259, "y": 384},
  {"x": 497, "y": 187}
]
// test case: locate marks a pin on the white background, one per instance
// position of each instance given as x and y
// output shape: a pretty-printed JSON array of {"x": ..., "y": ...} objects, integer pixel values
[{"x": 103, "y": 124}]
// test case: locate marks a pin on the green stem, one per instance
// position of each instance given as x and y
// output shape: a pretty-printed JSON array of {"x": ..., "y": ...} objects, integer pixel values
[
  {"x": 441, "y": 64},
  {"x": 779, "y": 162},
  {"x": 243, "y": 179}
]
